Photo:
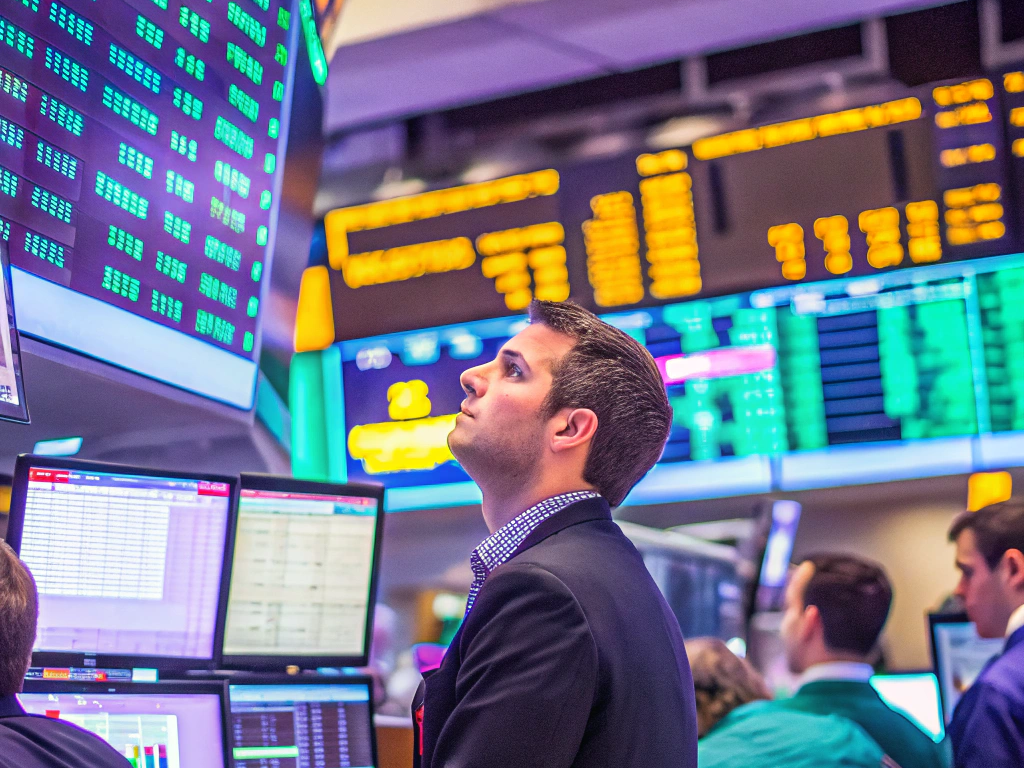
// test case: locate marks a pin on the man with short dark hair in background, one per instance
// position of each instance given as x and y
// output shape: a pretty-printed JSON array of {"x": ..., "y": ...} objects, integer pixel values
[
  {"x": 32, "y": 741},
  {"x": 568, "y": 654},
  {"x": 836, "y": 607},
  {"x": 988, "y": 722}
]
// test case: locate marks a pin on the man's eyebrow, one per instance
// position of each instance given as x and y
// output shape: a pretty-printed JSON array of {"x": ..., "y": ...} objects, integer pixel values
[{"x": 514, "y": 355}]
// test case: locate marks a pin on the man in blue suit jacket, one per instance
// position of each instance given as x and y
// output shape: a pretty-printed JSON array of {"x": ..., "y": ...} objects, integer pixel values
[
  {"x": 988, "y": 724},
  {"x": 568, "y": 655},
  {"x": 32, "y": 741}
]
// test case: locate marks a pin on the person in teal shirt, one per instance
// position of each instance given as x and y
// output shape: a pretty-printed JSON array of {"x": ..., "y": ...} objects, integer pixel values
[
  {"x": 740, "y": 729},
  {"x": 835, "y": 609}
]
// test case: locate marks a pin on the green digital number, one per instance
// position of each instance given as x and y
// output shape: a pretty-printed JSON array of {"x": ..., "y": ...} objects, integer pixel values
[
  {"x": 11, "y": 134},
  {"x": 67, "y": 69},
  {"x": 188, "y": 104},
  {"x": 217, "y": 290},
  {"x": 17, "y": 38},
  {"x": 142, "y": 73},
  {"x": 51, "y": 204},
  {"x": 249, "y": 26},
  {"x": 149, "y": 32},
  {"x": 232, "y": 178},
  {"x": 14, "y": 86},
  {"x": 8, "y": 183},
  {"x": 61, "y": 114},
  {"x": 138, "y": 161},
  {"x": 229, "y": 217},
  {"x": 125, "y": 242},
  {"x": 184, "y": 146},
  {"x": 71, "y": 22},
  {"x": 195, "y": 24},
  {"x": 191, "y": 64},
  {"x": 243, "y": 102},
  {"x": 118, "y": 282},
  {"x": 177, "y": 227},
  {"x": 45, "y": 249},
  {"x": 116, "y": 193},
  {"x": 57, "y": 160},
  {"x": 164, "y": 305},
  {"x": 222, "y": 253},
  {"x": 233, "y": 137},
  {"x": 245, "y": 63},
  {"x": 125, "y": 106},
  {"x": 215, "y": 327},
  {"x": 170, "y": 266}
]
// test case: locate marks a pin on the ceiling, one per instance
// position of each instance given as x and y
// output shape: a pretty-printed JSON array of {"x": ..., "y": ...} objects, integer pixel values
[{"x": 466, "y": 51}]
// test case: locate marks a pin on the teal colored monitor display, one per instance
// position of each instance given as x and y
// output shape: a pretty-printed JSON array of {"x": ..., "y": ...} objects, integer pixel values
[{"x": 916, "y": 696}]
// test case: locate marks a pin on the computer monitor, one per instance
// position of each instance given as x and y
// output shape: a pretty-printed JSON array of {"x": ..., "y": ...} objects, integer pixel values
[
  {"x": 129, "y": 562},
  {"x": 321, "y": 721},
  {"x": 12, "y": 387},
  {"x": 154, "y": 725},
  {"x": 959, "y": 655},
  {"x": 916, "y": 695},
  {"x": 304, "y": 574}
]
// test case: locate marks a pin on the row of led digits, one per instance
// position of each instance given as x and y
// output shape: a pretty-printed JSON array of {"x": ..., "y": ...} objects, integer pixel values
[
  {"x": 881, "y": 227},
  {"x": 129, "y": 114},
  {"x": 508, "y": 254}
]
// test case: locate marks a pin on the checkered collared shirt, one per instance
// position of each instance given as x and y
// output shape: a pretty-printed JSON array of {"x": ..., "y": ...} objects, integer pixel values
[{"x": 500, "y": 545}]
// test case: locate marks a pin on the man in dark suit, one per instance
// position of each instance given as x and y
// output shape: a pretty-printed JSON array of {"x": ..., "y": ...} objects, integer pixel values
[
  {"x": 988, "y": 723},
  {"x": 569, "y": 654},
  {"x": 32, "y": 741}
]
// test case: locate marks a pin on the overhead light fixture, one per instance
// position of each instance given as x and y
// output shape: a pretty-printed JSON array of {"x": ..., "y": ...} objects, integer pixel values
[{"x": 683, "y": 131}]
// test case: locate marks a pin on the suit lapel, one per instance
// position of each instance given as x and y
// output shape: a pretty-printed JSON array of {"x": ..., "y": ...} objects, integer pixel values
[{"x": 580, "y": 512}]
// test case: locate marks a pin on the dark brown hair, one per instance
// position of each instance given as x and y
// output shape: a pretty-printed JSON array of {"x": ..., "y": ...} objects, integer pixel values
[
  {"x": 612, "y": 374},
  {"x": 722, "y": 681},
  {"x": 19, "y": 611},
  {"x": 997, "y": 529},
  {"x": 853, "y": 596}
]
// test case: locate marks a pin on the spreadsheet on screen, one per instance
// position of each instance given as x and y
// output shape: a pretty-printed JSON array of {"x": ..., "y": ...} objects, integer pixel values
[
  {"x": 125, "y": 564},
  {"x": 300, "y": 581},
  {"x": 297, "y": 724}
]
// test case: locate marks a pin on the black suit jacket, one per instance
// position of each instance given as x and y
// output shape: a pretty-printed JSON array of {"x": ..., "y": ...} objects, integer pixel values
[
  {"x": 33, "y": 741},
  {"x": 569, "y": 657}
]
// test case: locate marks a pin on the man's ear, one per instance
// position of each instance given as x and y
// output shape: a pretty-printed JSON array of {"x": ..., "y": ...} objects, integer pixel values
[
  {"x": 574, "y": 427},
  {"x": 1013, "y": 559},
  {"x": 811, "y": 623}
]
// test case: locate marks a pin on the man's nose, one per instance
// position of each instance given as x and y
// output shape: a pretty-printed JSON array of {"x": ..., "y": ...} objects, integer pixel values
[{"x": 473, "y": 383}]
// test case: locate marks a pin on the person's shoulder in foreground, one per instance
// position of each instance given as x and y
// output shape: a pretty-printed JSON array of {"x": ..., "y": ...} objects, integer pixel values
[
  {"x": 30, "y": 741},
  {"x": 34, "y": 741},
  {"x": 759, "y": 735},
  {"x": 987, "y": 730}
]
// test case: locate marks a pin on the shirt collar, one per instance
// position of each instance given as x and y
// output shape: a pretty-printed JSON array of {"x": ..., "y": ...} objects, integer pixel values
[
  {"x": 500, "y": 545},
  {"x": 1016, "y": 621},
  {"x": 847, "y": 671},
  {"x": 10, "y": 706}
]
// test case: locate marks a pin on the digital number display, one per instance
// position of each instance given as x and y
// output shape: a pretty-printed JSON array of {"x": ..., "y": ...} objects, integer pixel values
[
  {"x": 916, "y": 180},
  {"x": 139, "y": 142},
  {"x": 774, "y": 386}
]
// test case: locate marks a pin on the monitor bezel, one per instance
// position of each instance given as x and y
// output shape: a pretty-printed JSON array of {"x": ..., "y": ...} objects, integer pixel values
[
  {"x": 171, "y": 687},
  {"x": 17, "y": 363},
  {"x": 285, "y": 680},
  {"x": 934, "y": 620},
  {"x": 15, "y": 528},
  {"x": 279, "y": 663}
]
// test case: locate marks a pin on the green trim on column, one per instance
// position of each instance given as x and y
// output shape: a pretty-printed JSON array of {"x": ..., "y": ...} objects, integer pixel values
[
  {"x": 306, "y": 402},
  {"x": 335, "y": 432}
]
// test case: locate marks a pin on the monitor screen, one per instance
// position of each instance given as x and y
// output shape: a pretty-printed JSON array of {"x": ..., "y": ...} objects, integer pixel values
[
  {"x": 915, "y": 695},
  {"x": 298, "y": 723},
  {"x": 128, "y": 562},
  {"x": 141, "y": 163},
  {"x": 12, "y": 388},
  {"x": 959, "y": 656},
  {"x": 785, "y": 517},
  {"x": 303, "y": 573},
  {"x": 154, "y": 725}
]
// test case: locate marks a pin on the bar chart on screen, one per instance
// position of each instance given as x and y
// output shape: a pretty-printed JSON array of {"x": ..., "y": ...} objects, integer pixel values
[{"x": 146, "y": 741}]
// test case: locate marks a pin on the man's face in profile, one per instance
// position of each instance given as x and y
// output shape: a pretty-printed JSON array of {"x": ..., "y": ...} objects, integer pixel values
[{"x": 500, "y": 430}]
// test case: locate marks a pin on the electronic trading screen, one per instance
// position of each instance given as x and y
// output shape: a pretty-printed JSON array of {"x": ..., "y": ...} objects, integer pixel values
[
  {"x": 302, "y": 574},
  {"x": 141, "y": 144},
  {"x": 296, "y": 724},
  {"x": 909, "y": 373},
  {"x": 930, "y": 175},
  {"x": 126, "y": 564},
  {"x": 148, "y": 724},
  {"x": 959, "y": 656},
  {"x": 915, "y": 695},
  {"x": 12, "y": 388}
]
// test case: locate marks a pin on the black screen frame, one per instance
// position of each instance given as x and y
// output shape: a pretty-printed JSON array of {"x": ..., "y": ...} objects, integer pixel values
[
  {"x": 190, "y": 687},
  {"x": 17, "y": 364},
  {"x": 15, "y": 528},
  {"x": 283, "y": 680},
  {"x": 280, "y": 662}
]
